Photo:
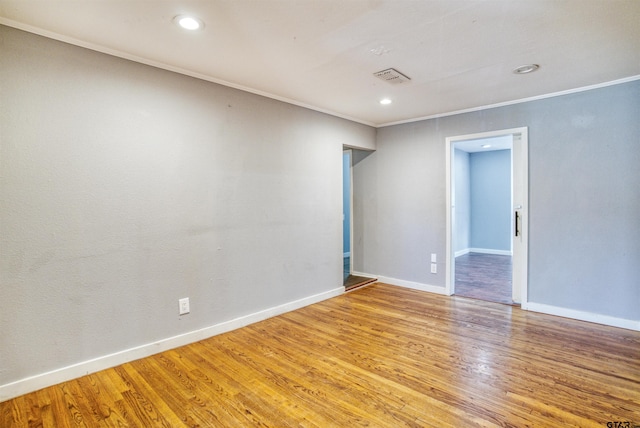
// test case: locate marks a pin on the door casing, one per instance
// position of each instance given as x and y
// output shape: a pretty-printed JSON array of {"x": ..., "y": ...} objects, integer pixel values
[
  {"x": 349, "y": 178},
  {"x": 520, "y": 201}
]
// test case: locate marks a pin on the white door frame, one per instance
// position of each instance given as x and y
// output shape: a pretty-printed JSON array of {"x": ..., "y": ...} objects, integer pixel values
[
  {"x": 346, "y": 150},
  {"x": 520, "y": 167}
]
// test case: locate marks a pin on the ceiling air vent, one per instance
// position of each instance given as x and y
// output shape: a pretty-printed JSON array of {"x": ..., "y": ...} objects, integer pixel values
[{"x": 391, "y": 75}]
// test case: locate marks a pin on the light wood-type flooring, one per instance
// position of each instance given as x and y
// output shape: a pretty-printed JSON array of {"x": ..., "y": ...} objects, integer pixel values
[
  {"x": 380, "y": 356},
  {"x": 484, "y": 276}
]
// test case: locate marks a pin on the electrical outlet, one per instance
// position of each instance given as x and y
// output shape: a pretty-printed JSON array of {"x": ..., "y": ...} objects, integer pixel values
[
  {"x": 433, "y": 258},
  {"x": 184, "y": 306},
  {"x": 434, "y": 268}
]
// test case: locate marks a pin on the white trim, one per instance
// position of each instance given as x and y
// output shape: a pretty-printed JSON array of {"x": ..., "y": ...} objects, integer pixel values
[
  {"x": 490, "y": 251},
  {"x": 450, "y": 208},
  {"x": 462, "y": 252},
  {"x": 364, "y": 275},
  {"x": 519, "y": 101},
  {"x": 43, "y": 380},
  {"x": 163, "y": 66},
  {"x": 521, "y": 277},
  {"x": 450, "y": 185},
  {"x": 413, "y": 285},
  {"x": 351, "y": 234},
  {"x": 584, "y": 316},
  {"x": 483, "y": 251},
  {"x": 157, "y": 64}
]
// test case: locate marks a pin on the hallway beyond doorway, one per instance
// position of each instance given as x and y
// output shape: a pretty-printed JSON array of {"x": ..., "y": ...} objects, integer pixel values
[{"x": 484, "y": 276}]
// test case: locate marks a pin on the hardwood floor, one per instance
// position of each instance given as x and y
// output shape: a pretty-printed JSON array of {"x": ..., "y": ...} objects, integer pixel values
[
  {"x": 484, "y": 276},
  {"x": 351, "y": 282},
  {"x": 380, "y": 356}
]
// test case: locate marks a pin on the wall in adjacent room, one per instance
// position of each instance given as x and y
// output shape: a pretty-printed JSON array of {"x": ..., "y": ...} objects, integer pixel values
[
  {"x": 490, "y": 196},
  {"x": 462, "y": 201},
  {"x": 125, "y": 187}
]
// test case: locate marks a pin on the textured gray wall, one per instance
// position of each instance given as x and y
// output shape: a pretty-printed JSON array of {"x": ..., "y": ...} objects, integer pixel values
[
  {"x": 584, "y": 198},
  {"x": 124, "y": 188}
]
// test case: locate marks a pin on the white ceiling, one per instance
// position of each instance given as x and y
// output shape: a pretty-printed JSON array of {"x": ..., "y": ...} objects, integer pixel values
[
  {"x": 503, "y": 142},
  {"x": 322, "y": 54}
]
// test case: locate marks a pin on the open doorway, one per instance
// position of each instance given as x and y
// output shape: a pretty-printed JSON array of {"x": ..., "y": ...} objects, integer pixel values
[
  {"x": 350, "y": 281},
  {"x": 347, "y": 180},
  {"x": 486, "y": 212}
]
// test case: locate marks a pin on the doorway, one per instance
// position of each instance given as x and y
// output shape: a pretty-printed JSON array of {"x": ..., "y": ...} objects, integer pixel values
[
  {"x": 350, "y": 281},
  {"x": 347, "y": 184},
  {"x": 487, "y": 255}
]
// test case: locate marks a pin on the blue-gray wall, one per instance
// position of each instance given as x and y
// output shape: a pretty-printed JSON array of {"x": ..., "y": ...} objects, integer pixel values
[
  {"x": 584, "y": 198},
  {"x": 490, "y": 179},
  {"x": 462, "y": 201}
]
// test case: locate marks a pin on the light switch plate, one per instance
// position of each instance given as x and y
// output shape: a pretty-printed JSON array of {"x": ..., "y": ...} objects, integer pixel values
[{"x": 184, "y": 306}]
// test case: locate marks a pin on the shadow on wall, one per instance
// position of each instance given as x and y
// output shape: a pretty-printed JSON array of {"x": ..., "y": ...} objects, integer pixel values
[{"x": 359, "y": 155}]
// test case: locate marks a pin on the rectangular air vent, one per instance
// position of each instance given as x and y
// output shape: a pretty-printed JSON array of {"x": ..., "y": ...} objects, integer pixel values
[{"x": 391, "y": 75}]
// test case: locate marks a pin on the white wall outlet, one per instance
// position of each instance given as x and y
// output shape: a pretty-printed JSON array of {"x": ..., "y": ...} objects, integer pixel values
[
  {"x": 184, "y": 306},
  {"x": 434, "y": 268},
  {"x": 433, "y": 258}
]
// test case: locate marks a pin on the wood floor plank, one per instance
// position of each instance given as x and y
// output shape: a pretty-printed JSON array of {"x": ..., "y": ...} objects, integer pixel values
[
  {"x": 145, "y": 403},
  {"x": 404, "y": 372},
  {"x": 259, "y": 372},
  {"x": 380, "y": 356}
]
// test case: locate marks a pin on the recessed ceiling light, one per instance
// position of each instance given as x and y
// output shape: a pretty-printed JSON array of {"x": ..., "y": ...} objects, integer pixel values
[
  {"x": 524, "y": 69},
  {"x": 385, "y": 101},
  {"x": 189, "y": 22},
  {"x": 485, "y": 146}
]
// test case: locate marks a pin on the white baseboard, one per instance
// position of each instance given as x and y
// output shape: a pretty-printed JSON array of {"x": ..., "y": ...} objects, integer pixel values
[
  {"x": 403, "y": 283},
  {"x": 413, "y": 285},
  {"x": 461, "y": 252},
  {"x": 364, "y": 275},
  {"x": 54, "y": 377},
  {"x": 584, "y": 316},
  {"x": 488, "y": 251}
]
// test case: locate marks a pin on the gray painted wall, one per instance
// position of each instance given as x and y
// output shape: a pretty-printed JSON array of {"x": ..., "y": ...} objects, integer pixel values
[
  {"x": 462, "y": 200},
  {"x": 490, "y": 183},
  {"x": 124, "y": 188},
  {"x": 584, "y": 198}
]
